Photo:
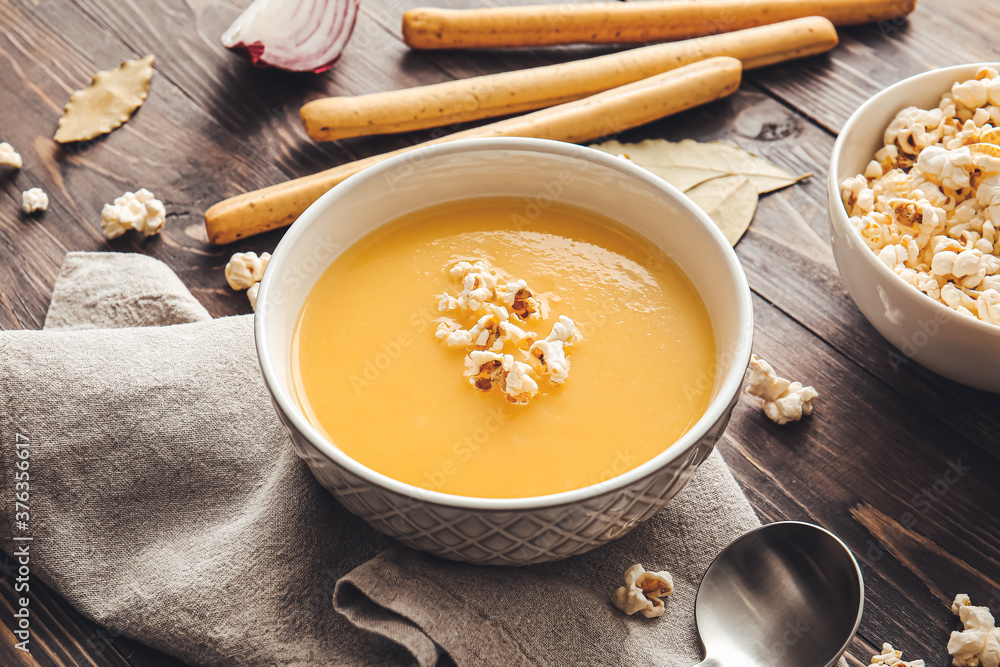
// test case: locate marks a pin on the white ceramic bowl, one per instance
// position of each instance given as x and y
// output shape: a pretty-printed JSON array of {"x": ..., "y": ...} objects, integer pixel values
[
  {"x": 956, "y": 346},
  {"x": 522, "y": 530}
]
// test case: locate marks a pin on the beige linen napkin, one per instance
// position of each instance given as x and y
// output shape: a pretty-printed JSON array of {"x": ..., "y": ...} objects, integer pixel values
[{"x": 167, "y": 504}]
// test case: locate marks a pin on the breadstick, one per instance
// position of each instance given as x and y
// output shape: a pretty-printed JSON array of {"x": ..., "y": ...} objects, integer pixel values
[
  {"x": 622, "y": 22},
  {"x": 606, "y": 113},
  {"x": 525, "y": 90}
]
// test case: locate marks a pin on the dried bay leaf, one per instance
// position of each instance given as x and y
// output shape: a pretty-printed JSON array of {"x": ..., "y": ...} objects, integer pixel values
[
  {"x": 723, "y": 179},
  {"x": 685, "y": 164},
  {"x": 730, "y": 201},
  {"x": 108, "y": 102}
]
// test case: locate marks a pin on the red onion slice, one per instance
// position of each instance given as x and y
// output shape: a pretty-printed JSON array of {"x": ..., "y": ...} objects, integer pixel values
[{"x": 295, "y": 35}]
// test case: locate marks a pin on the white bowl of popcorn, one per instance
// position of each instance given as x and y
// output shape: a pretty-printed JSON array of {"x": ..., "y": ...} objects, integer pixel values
[
  {"x": 914, "y": 217},
  {"x": 521, "y": 530}
]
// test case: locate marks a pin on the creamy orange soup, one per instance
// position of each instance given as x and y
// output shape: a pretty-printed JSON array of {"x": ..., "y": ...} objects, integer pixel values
[{"x": 371, "y": 376}]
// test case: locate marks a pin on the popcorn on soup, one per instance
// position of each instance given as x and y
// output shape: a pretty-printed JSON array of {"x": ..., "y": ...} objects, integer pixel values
[
  {"x": 928, "y": 204},
  {"x": 461, "y": 351}
]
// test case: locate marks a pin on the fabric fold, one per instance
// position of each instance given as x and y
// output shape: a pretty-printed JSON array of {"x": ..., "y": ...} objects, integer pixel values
[
  {"x": 112, "y": 290},
  {"x": 362, "y": 611}
]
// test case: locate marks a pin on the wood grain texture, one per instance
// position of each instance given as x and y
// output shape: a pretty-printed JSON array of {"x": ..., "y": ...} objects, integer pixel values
[
  {"x": 872, "y": 464},
  {"x": 937, "y": 34}
]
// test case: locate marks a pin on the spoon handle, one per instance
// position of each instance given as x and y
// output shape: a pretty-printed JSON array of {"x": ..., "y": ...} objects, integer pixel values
[{"x": 709, "y": 661}]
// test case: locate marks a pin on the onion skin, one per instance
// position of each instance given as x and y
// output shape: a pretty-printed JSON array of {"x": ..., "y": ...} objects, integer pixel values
[{"x": 293, "y": 35}]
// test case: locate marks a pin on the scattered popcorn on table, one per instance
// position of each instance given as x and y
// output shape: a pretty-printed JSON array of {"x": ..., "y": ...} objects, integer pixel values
[
  {"x": 138, "y": 210},
  {"x": 890, "y": 656},
  {"x": 979, "y": 644},
  {"x": 490, "y": 305},
  {"x": 252, "y": 294},
  {"x": 928, "y": 205},
  {"x": 10, "y": 157},
  {"x": 642, "y": 592},
  {"x": 783, "y": 401},
  {"x": 244, "y": 270},
  {"x": 33, "y": 200}
]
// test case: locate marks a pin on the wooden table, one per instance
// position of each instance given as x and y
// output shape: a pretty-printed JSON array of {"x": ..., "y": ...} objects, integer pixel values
[{"x": 871, "y": 464}]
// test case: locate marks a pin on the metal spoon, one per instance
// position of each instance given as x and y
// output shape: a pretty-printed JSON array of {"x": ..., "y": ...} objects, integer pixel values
[{"x": 788, "y": 594}]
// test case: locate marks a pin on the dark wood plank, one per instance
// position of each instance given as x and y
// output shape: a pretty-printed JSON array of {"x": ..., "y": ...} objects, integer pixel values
[{"x": 938, "y": 33}]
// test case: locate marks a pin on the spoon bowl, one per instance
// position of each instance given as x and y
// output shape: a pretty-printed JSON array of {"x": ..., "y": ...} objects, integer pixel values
[{"x": 788, "y": 594}]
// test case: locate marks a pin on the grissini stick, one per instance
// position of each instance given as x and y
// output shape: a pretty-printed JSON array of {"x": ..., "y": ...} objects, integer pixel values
[
  {"x": 624, "y": 22},
  {"x": 606, "y": 113},
  {"x": 525, "y": 90}
]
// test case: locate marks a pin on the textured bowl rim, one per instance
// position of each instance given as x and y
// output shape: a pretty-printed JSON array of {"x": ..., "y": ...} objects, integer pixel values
[
  {"x": 728, "y": 389},
  {"x": 840, "y": 218}
]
